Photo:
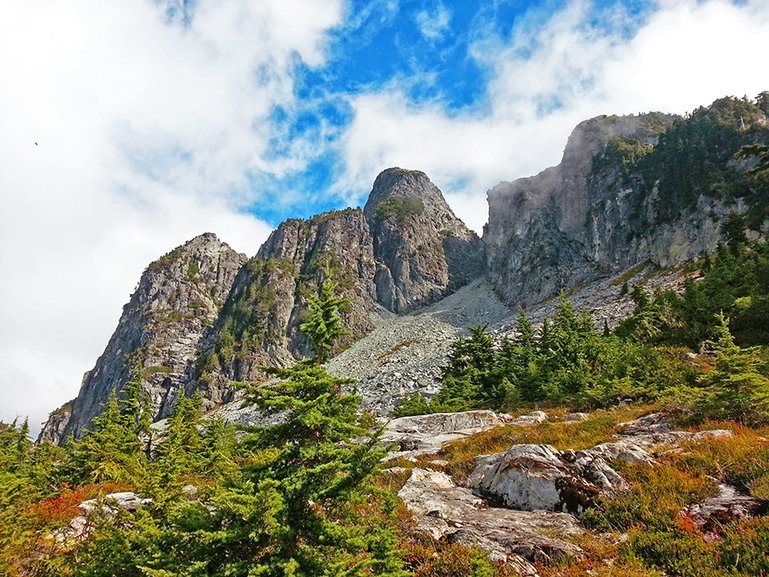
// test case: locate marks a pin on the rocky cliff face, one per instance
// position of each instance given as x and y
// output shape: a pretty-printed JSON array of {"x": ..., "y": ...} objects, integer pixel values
[
  {"x": 423, "y": 251},
  {"x": 259, "y": 324},
  {"x": 177, "y": 301},
  {"x": 405, "y": 249},
  {"x": 652, "y": 187},
  {"x": 204, "y": 316}
]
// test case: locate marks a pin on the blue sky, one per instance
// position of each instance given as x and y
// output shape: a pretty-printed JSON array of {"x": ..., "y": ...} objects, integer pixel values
[
  {"x": 432, "y": 50},
  {"x": 130, "y": 127}
]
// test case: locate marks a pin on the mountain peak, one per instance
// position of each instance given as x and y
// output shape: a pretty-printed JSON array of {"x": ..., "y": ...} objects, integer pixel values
[{"x": 413, "y": 190}]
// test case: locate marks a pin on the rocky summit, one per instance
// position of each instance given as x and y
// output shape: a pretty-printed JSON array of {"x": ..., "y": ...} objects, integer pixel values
[
  {"x": 204, "y": 316},
  {"x": 176, "y": 303}
]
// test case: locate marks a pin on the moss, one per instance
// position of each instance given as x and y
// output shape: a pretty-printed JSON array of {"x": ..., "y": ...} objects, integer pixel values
[
  {"x": 167, "y": 259},
  {"x": 399, "y": 207}
]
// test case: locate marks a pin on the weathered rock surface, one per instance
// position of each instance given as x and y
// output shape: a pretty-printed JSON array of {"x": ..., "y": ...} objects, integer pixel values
[
  {"x": 423, "y": 251},
  {"x": 203, "y": 317},
  {"x": 729, "y": 505},
  {"x": 177, "y": 301},
  {"x": 603, "y": 208},
  {"x": 428, "y": 433},
  {"x": 259, "y": 324},
  {"x": 540, "y": 477},
  {"x": 519, "y": 538}
]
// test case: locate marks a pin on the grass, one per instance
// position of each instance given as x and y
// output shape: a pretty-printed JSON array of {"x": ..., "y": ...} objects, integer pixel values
[
  {"x": 598, "y": 428},
  {"x": 630, "y": 273},
  {"x": 741, "y": 460},
  {"x": 659, "y": 537}
]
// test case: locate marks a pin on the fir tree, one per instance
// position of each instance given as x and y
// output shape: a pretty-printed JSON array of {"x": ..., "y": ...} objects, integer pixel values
[
  {"x": 180, "y": 449},
  {"x": 117, "y": 446},
  {"x": 738, "y": 389},
  {"x": 324, "y": 324}
]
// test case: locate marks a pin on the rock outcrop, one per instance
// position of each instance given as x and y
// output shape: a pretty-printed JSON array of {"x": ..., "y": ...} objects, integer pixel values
[
  {"x": 178, "y": 299},
  {"x": 260, "y": 320},
  {"x": 423, "y": 251},
  {"x": 204, "y": 316},
  {"x": 540, "y": 477},
  {"x": 423, "y": 434},
  {"x": 518, "y": 538},
  {"x": 629, "y": 189},
  {"x": 81, "y": 526},
  {"x": 728, "y": 505}
]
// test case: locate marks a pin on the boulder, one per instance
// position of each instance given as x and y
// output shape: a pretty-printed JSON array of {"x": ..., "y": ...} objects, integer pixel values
[
  {"x": 533, "y": 477},
  {"x": 423, "y": 434},
  {"x": 729, "y": 505},
  {"x": 518, "y": 538},
  {"x": 534, "y": 418},
  {"x": 540, "y": 477}
]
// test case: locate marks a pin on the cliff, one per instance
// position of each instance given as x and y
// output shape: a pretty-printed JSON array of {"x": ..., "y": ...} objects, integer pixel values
[
  {"x": 178, "y": 299},
  {"x": 204, "y": 316},
  {"x": 652, "y": 187}
]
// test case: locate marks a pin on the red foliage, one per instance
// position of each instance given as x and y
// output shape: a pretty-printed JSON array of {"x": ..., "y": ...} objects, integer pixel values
[{"x": 63, "y": 507}]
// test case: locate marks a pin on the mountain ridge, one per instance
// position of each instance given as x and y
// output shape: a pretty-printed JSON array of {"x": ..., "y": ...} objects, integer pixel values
[{"x": 607, "y": 207}]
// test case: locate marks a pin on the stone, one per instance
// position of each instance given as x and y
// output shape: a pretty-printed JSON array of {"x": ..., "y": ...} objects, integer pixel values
[
  {"x": 728, "y": 505},
  {"x": 518, "y": 538},
  {"x": 422, "y": 434},
  {"x": 651, "y": 423},
  {"x": 534, "y": 418},
  {"x": 540, "y": 477},
  {"x": 127, "y": 500}
]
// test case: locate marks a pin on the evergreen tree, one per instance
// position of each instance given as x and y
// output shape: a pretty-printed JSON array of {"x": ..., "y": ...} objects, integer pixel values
[
  {"x": 738, "y": 389},
  {"x": 308, "y": 469},
  {"x": 180, "y": 448},
  {"x": 118, "y": 444},
  {"x": 324, "y": 324}
]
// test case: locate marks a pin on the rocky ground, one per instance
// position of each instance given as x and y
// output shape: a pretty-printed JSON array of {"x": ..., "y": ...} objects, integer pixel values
[
  {"x": 405, "y": 354},
  {"x": 522, "y": 505}
]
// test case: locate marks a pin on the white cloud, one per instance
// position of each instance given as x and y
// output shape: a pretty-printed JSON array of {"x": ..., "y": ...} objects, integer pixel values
[
  {"x": 547, "y": 79},
  {"x": 433, "y": 24},
  {"x": 145, "y": 133}
]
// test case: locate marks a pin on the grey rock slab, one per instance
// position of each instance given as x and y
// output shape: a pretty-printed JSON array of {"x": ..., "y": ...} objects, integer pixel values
[
  {"x": 454, "y": 513},
  {"x": 728, "y": 505},
  {"x": 422, "y": 434},
  {"x": 532, "y": 477}
]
